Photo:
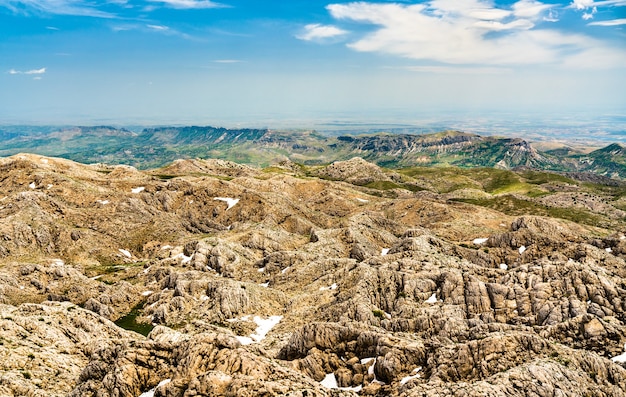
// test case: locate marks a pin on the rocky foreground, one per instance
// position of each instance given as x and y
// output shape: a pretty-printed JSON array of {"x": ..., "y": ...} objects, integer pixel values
[{"x": 343, "y": 280}]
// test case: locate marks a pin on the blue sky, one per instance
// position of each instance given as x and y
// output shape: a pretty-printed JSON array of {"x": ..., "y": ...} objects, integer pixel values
[{"x": 239, "y": 61}]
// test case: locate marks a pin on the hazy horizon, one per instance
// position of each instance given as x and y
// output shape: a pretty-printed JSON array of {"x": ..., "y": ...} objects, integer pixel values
[{"x": 300, "y": 64}]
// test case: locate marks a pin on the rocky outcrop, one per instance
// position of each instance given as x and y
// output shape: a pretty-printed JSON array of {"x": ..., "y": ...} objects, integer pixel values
[{"x": 275, "y": 282}]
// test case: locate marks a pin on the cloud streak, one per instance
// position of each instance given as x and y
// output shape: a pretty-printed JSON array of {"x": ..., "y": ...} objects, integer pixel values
[
  {"x": 190, "y": 4},
  {"x": 613, "y": 22},
  {"x": 55, "y": 7},
  {"x": 471, "y": 32},
  {"x": 317, "y": 32},
  {"x": 33, "y": 71}
]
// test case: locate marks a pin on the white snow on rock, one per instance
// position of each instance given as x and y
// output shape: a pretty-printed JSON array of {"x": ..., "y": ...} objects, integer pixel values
[
  {"x": 521, "y": 249},
  {"x": 184, "y": 258},
  {"x": 146, "y": 293},
  {"x": 230, "y": 201},
  {"x": 58, "y": 262},
  {"x": 45, "y": 161},
  {"x": 167, "y": 247},
  {"x": 410, "y": 377},
  {"x": 432, "y": 299},
  {"x": 32, "y": 185},
  {"x": 126, "y": 253},
  {"x": 504, "y": 266},
  {"x": 264, "y": 325},
  {"x": 384, "y": 251},
  {"x": 49, "y": 186},
  {"x": 331, "y": 287},
  {"x": 103, "y": 202},
  {"x": 329, "y": 381},
  {"x": 622, "y": 237},
  {"x": 261, "y": 269},
  {"x": 138, "y": 189},
  {"x": 609, "y": 250},
  {"x": 285, "y": 269},
  {"x": 362, "y": 200},
  {"x": 265, "y": 285},
  {"x": 621, "y": 358},
  {"x": 481, "y": 240},
  {"x": 150, "y": 393}
]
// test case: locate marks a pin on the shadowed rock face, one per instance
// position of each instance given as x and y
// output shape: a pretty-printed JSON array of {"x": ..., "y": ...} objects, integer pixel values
[{"x": 301, "y": 284}]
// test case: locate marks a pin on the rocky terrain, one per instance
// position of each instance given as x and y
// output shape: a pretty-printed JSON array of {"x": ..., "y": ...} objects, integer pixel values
[{"x": 211, "y": 278}]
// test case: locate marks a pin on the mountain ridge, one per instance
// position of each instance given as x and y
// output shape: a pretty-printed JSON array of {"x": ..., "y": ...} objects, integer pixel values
[{"x": 155, "y": 147}]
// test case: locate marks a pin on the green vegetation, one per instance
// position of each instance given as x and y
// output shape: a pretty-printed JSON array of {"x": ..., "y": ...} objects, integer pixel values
[{"x": 129, "y": 321}]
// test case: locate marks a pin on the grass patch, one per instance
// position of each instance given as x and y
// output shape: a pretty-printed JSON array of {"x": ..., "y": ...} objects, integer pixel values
[{"x": 129, "y": 321}]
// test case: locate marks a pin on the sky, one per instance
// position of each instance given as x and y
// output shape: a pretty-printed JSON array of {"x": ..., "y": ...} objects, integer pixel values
[{"x": 236, "y": 62}]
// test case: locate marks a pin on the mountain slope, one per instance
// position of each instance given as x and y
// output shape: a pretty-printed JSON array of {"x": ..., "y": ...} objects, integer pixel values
[
  {"x": 275, "y": 281},
  {"x": 155, "y": 147}
]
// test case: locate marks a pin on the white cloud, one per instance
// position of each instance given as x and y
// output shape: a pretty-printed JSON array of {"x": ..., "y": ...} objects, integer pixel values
[
  {"x": 613, "y": 22},
  {"x": 226, "y": 61},
  {"x": 469, "y": 32},
  {"x": 316, "y": 31},
  {"x": 589, "y": 15},
  {"x": 552, "y": 16},
  {"x": 33, "y": 71},
  {"x": 582, "y": 4},
  {"x": 58, "y": 7},
  {"x": 530, "y": 9},
  {"x": 190, "y": 4},
  {"x": 36, "y": 71},
  {"x": 160, "y": 28}
]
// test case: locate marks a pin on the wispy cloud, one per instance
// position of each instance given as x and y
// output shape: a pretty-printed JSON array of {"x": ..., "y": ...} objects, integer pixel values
[
  {"x": 227, "y": 61},
  {"x": 159, "y": 28},
  {"x": 472, "y": 32},
  {"x": 57, "y": 7},
  {"x": 33, "y": 71},
  {"x": 316, "y": 31},
  {"x": 190, "y": 4},
  {"x": 458, "y": 70},
  {"x": 612, "y": 22}
]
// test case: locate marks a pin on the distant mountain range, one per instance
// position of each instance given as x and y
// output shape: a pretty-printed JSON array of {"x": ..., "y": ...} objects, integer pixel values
[{"x": 155, "y": 147}]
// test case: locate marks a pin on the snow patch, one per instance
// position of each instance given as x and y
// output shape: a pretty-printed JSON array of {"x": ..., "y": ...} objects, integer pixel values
[
  {"x": 432, "y": 299},
  {"x": 329, "y": 381},
  {"x": 331, "y": 287},
  {"x": 264, "y": 325},
  {"x": 622, "y": 237},
  {"x": 504, "y": 266},
  {"x": 184, "y": 258},
  {"x": 285, "y": 269},
  {"x": 261, "y": 269},
  {"x": 45, "y": 161},
  {"x": 58, "y": 262},
  {"x": 150, "y": 393},
  {"x": 384, "y": 251},
  {"x": 621, "y": 358},
  {"x": 521, "y": 249},
  {"x": 146, "y": 293},
  {"x": 265, "y": 285},
  {"x": 410, "y": 377},
  {"x": 479, "y": 241},
  {"x": 230, "y": 201},
  {"x": 609, "y": 250},
  {"x": 103, "y": 202},
  {"x": 96, "y": 277},
  {"x": 126, "y": 253},
  {"x": 49, "y": 186},
  {"x": 138, "y": 189},
  {"x": 362, "y": 200},
  {"x": 32, "y": 185}
]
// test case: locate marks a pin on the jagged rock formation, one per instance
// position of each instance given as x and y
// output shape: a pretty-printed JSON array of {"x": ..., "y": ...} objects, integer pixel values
[{"x": 276, "y": 282}]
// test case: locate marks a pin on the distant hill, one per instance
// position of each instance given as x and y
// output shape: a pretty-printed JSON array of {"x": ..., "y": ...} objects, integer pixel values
[{"x": 155, "y": 147}]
